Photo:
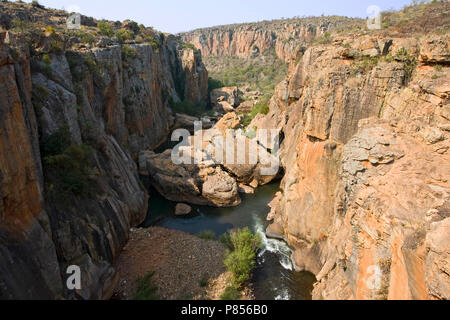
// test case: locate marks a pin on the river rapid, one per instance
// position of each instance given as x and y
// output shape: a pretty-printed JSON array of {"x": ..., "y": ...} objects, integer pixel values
[{"x": 274, "y": 276}]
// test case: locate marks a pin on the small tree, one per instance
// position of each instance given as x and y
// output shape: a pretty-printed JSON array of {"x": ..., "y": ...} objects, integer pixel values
[
  {"x": 242, "y": 259},
  {"x": 105, "y": 29}
]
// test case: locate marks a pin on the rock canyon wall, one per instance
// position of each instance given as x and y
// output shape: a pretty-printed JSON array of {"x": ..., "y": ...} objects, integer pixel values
[
  {"x": 365, "y": 196},
  {"x": 286, "y": 37},
  {"x": 110, "y": 101}
]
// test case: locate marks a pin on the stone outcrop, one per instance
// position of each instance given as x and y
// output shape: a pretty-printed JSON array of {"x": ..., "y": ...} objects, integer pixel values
[
  {"x": 208, "y": 175},
  {"x": 285, "y": 37},
  {"x": 114, "y": 99},
  {"x": 225, "y": 99},
  {"x": 202, "y": 184},
  {"x": 365, "y": 154}
]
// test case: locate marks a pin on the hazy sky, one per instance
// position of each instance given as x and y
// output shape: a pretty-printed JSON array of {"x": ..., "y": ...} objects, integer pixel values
[{"x": 183, "y": 15}]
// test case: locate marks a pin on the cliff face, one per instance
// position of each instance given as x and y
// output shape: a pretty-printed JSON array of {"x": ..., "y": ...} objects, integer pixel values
[
  {"x": 285, "y": 37},
  {"x": 115, "y": 101},
  {"x": 365, "y": 197},
  {"x": 28, "y": 262}
]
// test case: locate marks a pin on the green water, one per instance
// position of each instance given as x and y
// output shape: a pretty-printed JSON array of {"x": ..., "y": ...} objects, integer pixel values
[{"x": 274, "y": 277}]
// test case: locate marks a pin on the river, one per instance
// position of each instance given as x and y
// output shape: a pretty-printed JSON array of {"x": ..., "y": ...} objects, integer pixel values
[{"x": 274, "y": 277}]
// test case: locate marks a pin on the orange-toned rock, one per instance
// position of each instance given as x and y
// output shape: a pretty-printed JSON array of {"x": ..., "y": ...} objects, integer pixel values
[{"x": 365, "y": 154}]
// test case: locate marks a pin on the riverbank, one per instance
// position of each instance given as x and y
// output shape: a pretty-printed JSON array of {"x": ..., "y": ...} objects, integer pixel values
[{"x": 185, "y": 267}]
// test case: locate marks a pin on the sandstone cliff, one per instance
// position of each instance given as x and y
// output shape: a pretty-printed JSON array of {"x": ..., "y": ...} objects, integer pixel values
[
  {"x": 365, "y": 197},
  {"x": 284, "y": 36},
  {"x": 76, "y": 206}
]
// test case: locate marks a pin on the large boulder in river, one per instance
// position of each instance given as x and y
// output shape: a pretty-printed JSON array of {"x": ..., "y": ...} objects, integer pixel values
[
  {"x": 221, "y": 189},
  {"x": 182, "y": 209},
  {"x": 200, "y": 184}
]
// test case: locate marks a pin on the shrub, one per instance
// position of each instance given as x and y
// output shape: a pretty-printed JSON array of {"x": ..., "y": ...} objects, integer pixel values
[
  {"x": 47, "y": 60},
  {"x": 154, "y": 43},
  {"x": 409, "y": 62},
  {"x": 85, "y": 37},
  {"x": 231, "y": 293},
  {"x": 204, "y": 281},
  {"x": 105, "y": 29},
  {"x": 187, "y": 45},
  {"x": 214, "y": 84},
  {"x": 242, "y": 259},
  {"x": 57, "y": 142},
  {"x": 49, "y": 30},
  {"x": 145, "y": 289},
  {"x": 207, "y": 235},
  {"x": 365, "y": 64},
  {"x": 128, "y": 53},
  {"x": 67, "y": 166},
  {"x": 124, "y": 35},
  {"x": 225, "y": 239},
  {"x": 262, "y": 107}
]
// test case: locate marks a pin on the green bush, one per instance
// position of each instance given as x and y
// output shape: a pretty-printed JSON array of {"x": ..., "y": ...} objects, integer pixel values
[
  {"x": 145, "y": 289},
  {"x": 204, "y": 281},
  {"x": 187, "y": 45},
  {"x": 225, "y": 239},
  {"x": 214, "y": 84},
  {"x": 105, "y": 29},
  {"x": 67, "y": 166},
  {"x": 124, "y": 35},
  {"x": 207, "y": 235},
  {"x": 85, "y": 37},
  {"x": 262, "y": 107},
  {"x": 241, "y": 260},
  {"x": 231, "y": 293},
  {"x": 409, "y": 62},
  {"x": 47, "y": 60},
  {"x": 128, "y": 53}
]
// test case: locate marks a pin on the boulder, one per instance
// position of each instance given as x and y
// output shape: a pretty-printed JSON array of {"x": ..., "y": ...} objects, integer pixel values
[
  {"x": 245, "y": 189},
  {"x": 225, "y": 99},
  {"x": 435, "y": 50},
  {"x": 182, "y": 209}
]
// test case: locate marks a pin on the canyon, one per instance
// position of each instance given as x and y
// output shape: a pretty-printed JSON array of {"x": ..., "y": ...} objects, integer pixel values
[
  {"x": 114, "y": 98},
  {"x": 364, "y": 118}
]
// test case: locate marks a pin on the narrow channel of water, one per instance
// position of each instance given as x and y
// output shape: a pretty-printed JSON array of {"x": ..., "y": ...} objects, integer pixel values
[{"x": 274, "y": 277}]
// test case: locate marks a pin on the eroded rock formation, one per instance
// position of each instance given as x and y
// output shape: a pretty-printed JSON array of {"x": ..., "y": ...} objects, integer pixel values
[
  {"x": 207, "y": 175},
  {"x": 115, "y": 100},
  {"x": 247, "y": 40},
  {"x": 365, "y": 197}
]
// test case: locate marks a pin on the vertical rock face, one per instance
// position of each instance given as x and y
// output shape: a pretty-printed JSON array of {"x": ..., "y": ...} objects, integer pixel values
[
  {"x": 28, "y": 264},
  {"x": 283, "y": 36},
  {"x": 116, "y": 99},
  {"x": 366, "y": 161}
]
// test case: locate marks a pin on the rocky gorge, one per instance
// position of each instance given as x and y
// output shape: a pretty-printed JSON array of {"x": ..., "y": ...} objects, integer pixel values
[
  {"x": 365, "y": 192},
  {"x": 97, "y": 103},
  {"x": 364, "y": 120},
  {"x": 362, "y": 117}
]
